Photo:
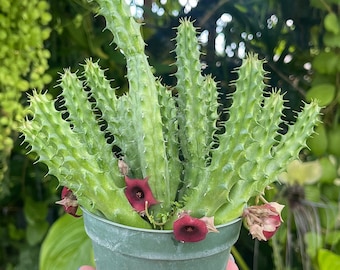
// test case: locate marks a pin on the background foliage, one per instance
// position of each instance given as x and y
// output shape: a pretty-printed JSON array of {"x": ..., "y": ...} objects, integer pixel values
[{"x": 301, "y": 43}]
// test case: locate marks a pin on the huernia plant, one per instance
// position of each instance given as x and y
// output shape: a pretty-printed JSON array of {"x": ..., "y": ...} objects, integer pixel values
[{"x": 177, "y": 169}]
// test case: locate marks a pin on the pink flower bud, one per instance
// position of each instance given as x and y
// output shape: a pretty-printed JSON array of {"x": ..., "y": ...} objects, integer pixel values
[
  {"x": 69, "y": 202},
  {"x": 263, "y": 220},
  {"x": 209, "y": 222}
]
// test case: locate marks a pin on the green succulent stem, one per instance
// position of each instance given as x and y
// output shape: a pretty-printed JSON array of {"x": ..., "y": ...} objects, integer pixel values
[
  {"x": 70, "y": 160},
  {"x": 143, "y": 98},
  {"x": 170, "y": 138}
]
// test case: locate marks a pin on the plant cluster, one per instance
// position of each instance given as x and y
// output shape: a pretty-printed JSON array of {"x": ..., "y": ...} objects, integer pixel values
[{"x": 175, "y": 159}]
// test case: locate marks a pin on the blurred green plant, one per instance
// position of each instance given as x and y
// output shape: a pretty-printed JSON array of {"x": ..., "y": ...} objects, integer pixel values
[
  {"x": 311, "y": 237},
  {"x": 325, "y": 146},
  {"x": 325, "y": 85},
  {"x": 24, "y": 61},
  {"x": 23, "y": 64},
  {"x": 56, "y": 250},
  {"x": 311, "y": 217}
]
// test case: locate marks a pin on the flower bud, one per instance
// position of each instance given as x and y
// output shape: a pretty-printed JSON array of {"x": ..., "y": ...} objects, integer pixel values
[
  {"x": 69, "y": 202},
  {"x": 123, "y": 167},
  {"x": 263, "y": 220}
]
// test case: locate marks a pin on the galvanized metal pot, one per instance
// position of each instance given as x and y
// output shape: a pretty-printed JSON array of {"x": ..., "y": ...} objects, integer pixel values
[{"x": 126, "y": 248}]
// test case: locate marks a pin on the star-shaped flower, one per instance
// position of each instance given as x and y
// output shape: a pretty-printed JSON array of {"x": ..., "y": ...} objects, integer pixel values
[
  {"x": 69, "y": 202},
  {"x": 189, "y": 229},
  {"x": 139, "y": 194}
]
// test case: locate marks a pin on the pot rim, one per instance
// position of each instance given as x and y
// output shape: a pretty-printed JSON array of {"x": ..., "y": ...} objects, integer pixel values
[{"x": 103, "y": 219}]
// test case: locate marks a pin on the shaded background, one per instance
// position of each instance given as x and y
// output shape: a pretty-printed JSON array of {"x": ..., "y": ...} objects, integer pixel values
[{"x": 300, "y": 41}]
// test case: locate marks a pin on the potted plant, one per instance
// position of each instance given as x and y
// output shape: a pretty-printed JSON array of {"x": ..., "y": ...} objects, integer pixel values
[{"x": 179, "y": 172}]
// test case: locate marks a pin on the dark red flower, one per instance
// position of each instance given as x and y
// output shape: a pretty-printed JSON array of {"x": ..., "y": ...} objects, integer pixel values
[
  {"x": 139, "y": 194},
  {"x": 263, "y": 220},
  {"x": 189, "y": 229},
  {"x": 69, "y": 202}
]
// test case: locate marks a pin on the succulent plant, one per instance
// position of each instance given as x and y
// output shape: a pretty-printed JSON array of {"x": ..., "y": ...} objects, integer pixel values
[{"x": 174, "y": 158}]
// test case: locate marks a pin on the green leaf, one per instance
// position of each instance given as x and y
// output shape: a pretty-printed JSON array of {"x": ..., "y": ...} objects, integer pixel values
[
  {"x": 317, "y": 4},
  {"x": 66, "y": 246},
  {"x": 28, "y": 258},
  {"x": 333, "y": 238},
  {"x": 331, "y": 23},
  {"x": 328, "y": 260},
  {"x": 326, "y": 63},
  {"x": 241, "y": 8},
  {"x": 328, "y": 216},
  {"x": 35, "y": 210},
  {"x": 332, "y": 40},
  {"x": 322, "y": 78},
  {"x": 323, "y": 93},
  {"x": 35, "y": 232},
  {"x": 15, "y": 233},
  {"x": 314, "y": 243}
]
